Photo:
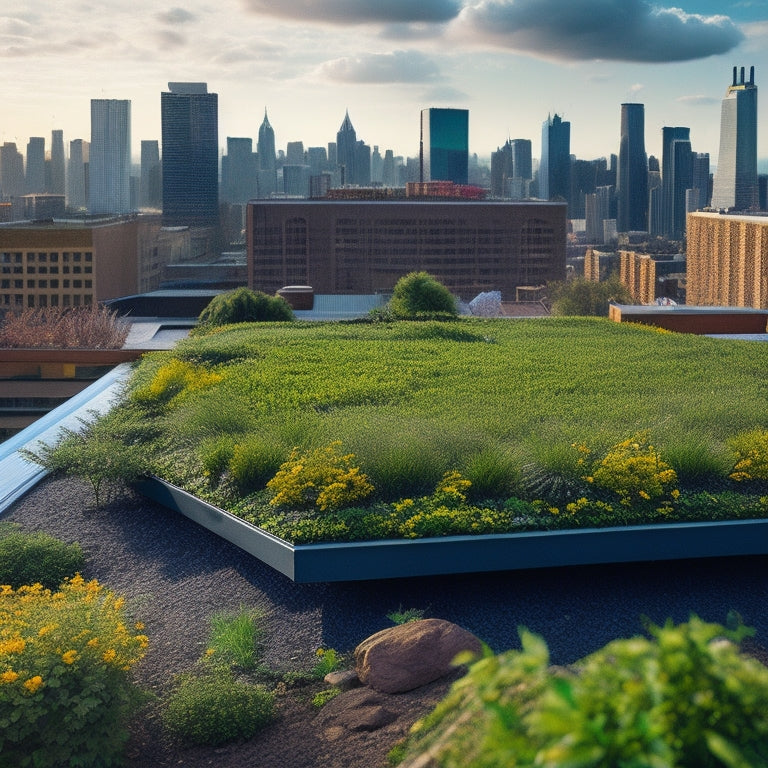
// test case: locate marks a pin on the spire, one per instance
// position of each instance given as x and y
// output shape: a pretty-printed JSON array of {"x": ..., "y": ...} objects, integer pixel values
[
  {"x": 347, "y": 124},
  {"x": 265, "y": 122}
]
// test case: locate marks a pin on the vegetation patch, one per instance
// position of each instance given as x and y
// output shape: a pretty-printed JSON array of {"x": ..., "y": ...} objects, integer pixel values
[{"x": 357, "y": 431}]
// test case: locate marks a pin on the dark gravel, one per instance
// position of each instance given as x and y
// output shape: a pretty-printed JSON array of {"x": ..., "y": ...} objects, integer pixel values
[{"x": 176, "y": 574}]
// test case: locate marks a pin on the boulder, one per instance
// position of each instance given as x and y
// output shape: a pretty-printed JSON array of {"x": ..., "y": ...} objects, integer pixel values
[{"x": 412, "y": 654}]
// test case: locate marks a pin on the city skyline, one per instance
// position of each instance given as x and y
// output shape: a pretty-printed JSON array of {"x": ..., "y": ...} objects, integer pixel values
[{"x": 511, "y": 64}]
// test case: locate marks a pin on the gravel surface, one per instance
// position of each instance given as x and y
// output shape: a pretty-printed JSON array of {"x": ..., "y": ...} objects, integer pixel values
[{"x": 176, "y": 574}]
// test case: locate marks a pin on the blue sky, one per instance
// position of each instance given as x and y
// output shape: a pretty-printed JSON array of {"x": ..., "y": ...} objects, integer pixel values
[{"x": 510, "y": 62}]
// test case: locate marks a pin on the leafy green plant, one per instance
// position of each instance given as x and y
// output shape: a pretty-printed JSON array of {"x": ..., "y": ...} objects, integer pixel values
[
  {"x": 215, "y": 708},
  {"x": 686, "y": 696},
  {"x": 321, "y": 477},
  {"x": 494, "y": 471},
  {"x": 584, "y": 297},
  {"x": 328, "y": 660},
  {"x": 321, "y": 698},
  {"x": 751, "y": 451},
  {"x": 65, "y": 692},
  {"x": 244, "y": 306},
  {"x": 106, "y": 451},
  {"x": 401, "y": 616},
  {"x": 236, "y": 639},
  {"x": 418, "y": 294},
  {"x": 35, "y": 557}
]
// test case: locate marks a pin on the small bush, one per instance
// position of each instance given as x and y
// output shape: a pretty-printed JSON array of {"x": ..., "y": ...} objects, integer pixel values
[
  {"x": 418, "y": 294},
  {"x": 245, "y": 306},
  {"x": 494, "y": 473},
  {"x": 684, "y": 697},
  {"x": 215, "y": 708},
  {"x": 36, "y": 558},
  {"x": 401, "y": 616},
  {"x": 321, "y": 477},
  {"x": 328, "y": 660},
  {"x": 236, "y": 639},
  {"x": 751, "y": 451},
  {"x": 254, "y": 463},
  {"x": 65, "y": 694},
  {"x": 320, "y": 699}
]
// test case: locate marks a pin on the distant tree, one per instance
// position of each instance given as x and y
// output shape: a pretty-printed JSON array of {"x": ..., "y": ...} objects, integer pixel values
[
  {"x": 583, "y": 297},
  {"x": 418, "y": 294},
  {"x": 245, "y": 306}
]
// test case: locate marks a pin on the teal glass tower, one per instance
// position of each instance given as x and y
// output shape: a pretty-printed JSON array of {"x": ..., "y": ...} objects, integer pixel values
[
  {"x": 444, "y": 146},
  {"x": 190, "y": 155}
]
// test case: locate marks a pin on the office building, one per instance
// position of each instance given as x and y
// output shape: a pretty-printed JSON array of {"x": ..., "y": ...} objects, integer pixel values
[
  {"x": 294, "y": 153},
  {"x": 597, "y": 209},
  {"x": 632, "y": 176},
  {"x": 676, "y": 178},
  {"x": 57, "y": 185},
  {"x": 109, "y": 165},
  {"x": 702, "y": 180},
  {"x": 735, "y": 184},
  {"x": 366, "y": 246},
  {"x": 190, "y": 162},
  {"x": 239, "y": 171},
  {"x": 502, "y": 170},
  {"x": 444, "y": 145},
  {"x": 555, "y": 163},
  {"x": 77, "y": 175},
  {"x": 267, "y": 159},
  {"x": 11, "y": 171},
  {"x": 35, "y": 171},
  {"x": 727, "y": 260},
  {"x": 150, "y": 178}
]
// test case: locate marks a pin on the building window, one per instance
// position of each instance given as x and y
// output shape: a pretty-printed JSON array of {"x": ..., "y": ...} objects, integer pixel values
[
  {"x": 42, "y": 283},
  {"x": 42, "y": 257},
  {"x": 77, "y": 283},
  {"x": 30, "y": 283},
  {"x": 65, "y": 300},
  {"x": 76, "y": 300},
  {"x": 89, "y": 283},
  {"x": 54, "y": 299},
  {"x": 5, "y": 283},
  {"x": 54, "y": 283},
  {"x": 18, "y": 283},
  {"x": 89, "y": 255},
  {"x": 54, "y": 270},
  {"x": 42, "y": 301},
  {"x": 76, "y": 270},
  {"x": 65, "y": 283},
  {"x": 76, "y": 256},
  {"x": 30, "y": 300},
  {"x": 54, "y": 257},
  {"x": 30, "y": 270}
]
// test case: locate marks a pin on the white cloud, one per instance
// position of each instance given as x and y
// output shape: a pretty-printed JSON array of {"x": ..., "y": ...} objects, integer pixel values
[
  {"x": 358, "y": 11},
  {"x": 395, "y": 67}
]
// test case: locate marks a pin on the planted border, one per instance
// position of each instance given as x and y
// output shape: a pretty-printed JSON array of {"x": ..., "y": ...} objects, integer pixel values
[{"x": 384, "y": 559}]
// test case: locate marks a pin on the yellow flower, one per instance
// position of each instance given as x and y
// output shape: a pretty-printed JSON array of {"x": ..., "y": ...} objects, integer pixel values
[
  {"x": 16, "y": 645},
  {"x": 109, "y": 655},
  {"x": 68, "y": 657},
  {"x": 33, "y": 683},
  {"x": 9, "y": 676},
  {"x": 139, "y": 625},
  {"x": 93, "y": 642},
  {"x": 46, "y": 629}
]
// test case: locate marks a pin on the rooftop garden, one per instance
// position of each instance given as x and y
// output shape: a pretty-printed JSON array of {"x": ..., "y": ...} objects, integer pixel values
[{"x": 408, "y": 429}]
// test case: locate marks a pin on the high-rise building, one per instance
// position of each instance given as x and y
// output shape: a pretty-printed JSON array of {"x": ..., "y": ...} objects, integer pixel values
[
  {"x": 444, "y": 145},
  {"x": 265, "y": 150},
  {"x": 58, "y": 184},
  {"x": 632, "y": 176},
  {"x": 388, "y": 173},
  {"x": 502, "y": 170},
  {"x": 676, "y": 179},
  {"x": 294, "y": 153},
  {"x": 109, "y": 167},
  {"x": 150, "y": 179},
  {"x": 238, "y": 171},
  {"x": 522, "y": 163},
  {"x": 702, "y": 181},
  {"x": 77, "y": 175},
  {"x": 11, "y": 171},
  {"x": 377, "y": 166},
  {"x": 190, "y": 163},
  {"x": 346, "y": 151},
  {"x": 35, "y": 174},
  {"x": 555, "y": 164},
  {"x": 735, "y": 185}
]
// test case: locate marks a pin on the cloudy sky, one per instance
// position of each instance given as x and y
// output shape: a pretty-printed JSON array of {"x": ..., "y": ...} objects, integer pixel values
[{"x": 510, "y": 62}]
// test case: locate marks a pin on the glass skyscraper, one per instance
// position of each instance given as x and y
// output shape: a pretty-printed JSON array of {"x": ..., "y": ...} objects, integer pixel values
[
  {"x": 109, "y": 165},
  {"x": 735, "y": 184},
  {"x": 444, "y": 148},
  {"x": 632, "y": 176},
  {"x": 190, "y": 133},
  {"x": 555, "y": 164}
]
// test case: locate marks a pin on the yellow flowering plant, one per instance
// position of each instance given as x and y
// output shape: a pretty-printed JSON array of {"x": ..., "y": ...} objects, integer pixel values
[
  {"x": 323, "y": 477},
  {"x": 64, "y": 688},
  {"x": 751, "y": 452}
]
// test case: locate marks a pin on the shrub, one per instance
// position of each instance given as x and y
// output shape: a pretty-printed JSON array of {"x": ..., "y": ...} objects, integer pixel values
[
  {"x": 215, "y": 708},
  {"x": 36, "y": 558},
  {"x": 418, "y": 294},
  {"x": 65, "y": 694},
  {"x": 244, "y": 306},
  {"x": 751, "y": 451},
  {"x": 684, "y": 697},
  {"x": 321, "y": 477},
  {"x": 254, "y": 462},
  {"x": 634, "y": 470},
  {"x": 401, "y": 616},
  {"x": 236, "y": 639},
  {"x": 493, "y": 472},
  {"x": 583, "y": 297}
]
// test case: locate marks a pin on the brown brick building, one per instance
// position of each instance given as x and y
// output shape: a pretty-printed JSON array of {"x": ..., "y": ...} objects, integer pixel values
[
  {"x": 727, "y": 260},
  {"x": 364, "y": 246},
  {"x": 78, "y": 263}
]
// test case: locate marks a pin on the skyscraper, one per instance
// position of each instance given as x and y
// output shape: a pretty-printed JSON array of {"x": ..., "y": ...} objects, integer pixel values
[
  {"x": 11, "y": 170},
  {"x": 150, "y": 180},
  {"x": 735, "y": 184},
  {"x": 346, "y": 151},
  {"x": 109, "y": 167},
  {"x": 701, "y": 179},
  {"x": 238, "y": 171},
  {"x": 57, "y": 186},
  {"x": 676, "y": 178},
  {"x": 35, "y": 174},
  {"x": 555, "y": 164},
  {"x": 444, "y": 145},
  {"x": 265, "y": 151},
  {"x": 77, "y": 175},
  {"x": 190, "y": 134},
  {"x": 632, "y": 176}
]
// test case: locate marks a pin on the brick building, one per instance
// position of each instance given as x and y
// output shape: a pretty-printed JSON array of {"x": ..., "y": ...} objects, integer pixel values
[{"x": 363, "y": 246}]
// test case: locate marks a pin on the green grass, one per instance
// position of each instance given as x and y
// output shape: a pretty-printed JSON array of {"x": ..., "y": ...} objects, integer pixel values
[
  {"x": 236, "y": 639},
  {"x": 501, "y": 401}
]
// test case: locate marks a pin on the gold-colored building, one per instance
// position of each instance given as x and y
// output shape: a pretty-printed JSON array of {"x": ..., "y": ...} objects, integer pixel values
[
  {"x": 727, "y": 260},
  {"x": 638, "y": 274},
  {"x": 79, "y": 263}
]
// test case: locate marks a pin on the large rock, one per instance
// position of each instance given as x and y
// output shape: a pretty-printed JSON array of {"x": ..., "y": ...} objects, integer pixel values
[{"x": 411, "y": 655}]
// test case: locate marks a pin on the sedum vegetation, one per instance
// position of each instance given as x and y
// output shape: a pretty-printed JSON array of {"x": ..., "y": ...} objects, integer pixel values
[{"x": 351, "y": 431}]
